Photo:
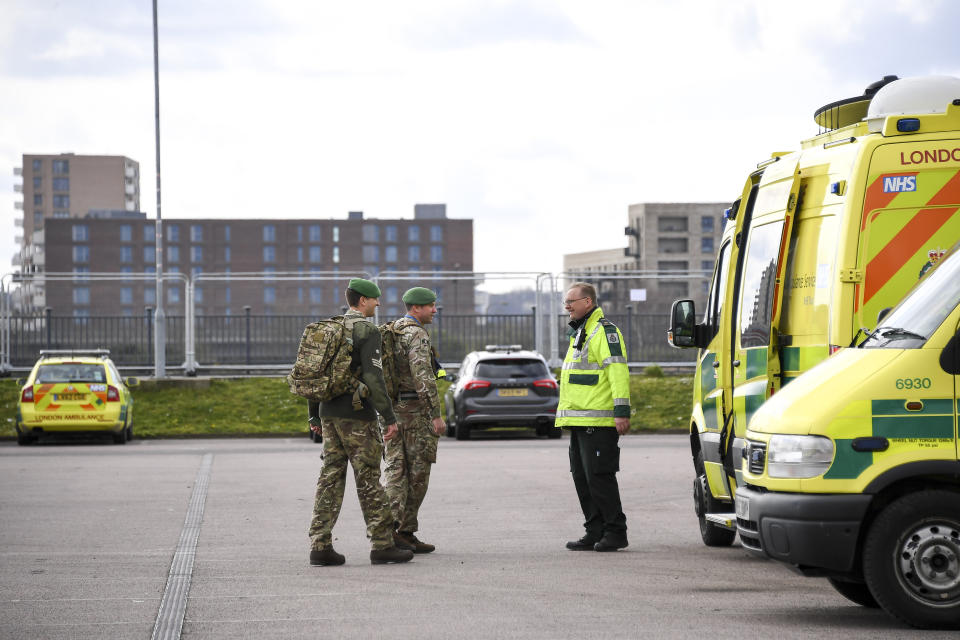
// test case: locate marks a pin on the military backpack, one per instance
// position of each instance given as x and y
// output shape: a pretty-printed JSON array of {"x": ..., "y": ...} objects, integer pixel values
[
  {"x": 390, "y": 352},
  {"x": 323, "y": 368}
]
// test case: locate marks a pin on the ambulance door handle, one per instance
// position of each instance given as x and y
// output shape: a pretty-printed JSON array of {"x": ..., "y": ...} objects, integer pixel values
[{"x": 736, "y": 363}]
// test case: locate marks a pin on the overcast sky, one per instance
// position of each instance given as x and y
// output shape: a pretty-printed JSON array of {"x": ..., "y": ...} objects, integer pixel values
[{"x": 541, "y": 121}]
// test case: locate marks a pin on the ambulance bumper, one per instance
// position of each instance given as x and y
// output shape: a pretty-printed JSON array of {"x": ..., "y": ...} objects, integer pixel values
[{"x": 816, "y": 534}]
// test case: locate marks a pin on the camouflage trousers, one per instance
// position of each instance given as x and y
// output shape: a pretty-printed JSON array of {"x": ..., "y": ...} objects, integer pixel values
[
  {"x": 409, "y": 458},
  {"x": 357, "y": 442}
]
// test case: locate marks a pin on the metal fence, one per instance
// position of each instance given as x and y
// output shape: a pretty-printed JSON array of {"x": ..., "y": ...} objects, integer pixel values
[{"x": 269, "y": 342}]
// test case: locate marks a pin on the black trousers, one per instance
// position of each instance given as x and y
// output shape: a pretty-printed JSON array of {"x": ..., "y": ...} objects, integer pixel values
[{"x": 594, "y": 462}]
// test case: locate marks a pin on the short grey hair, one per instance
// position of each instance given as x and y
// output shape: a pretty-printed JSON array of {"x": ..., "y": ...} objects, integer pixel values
[{"x": 586, "y": 289}]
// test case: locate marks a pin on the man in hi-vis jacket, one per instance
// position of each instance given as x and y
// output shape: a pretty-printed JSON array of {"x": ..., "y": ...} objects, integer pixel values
[{"x": 595, "y": 406}]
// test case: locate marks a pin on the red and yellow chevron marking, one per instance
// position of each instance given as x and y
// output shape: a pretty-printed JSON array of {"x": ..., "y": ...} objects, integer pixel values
[
  {"x": 901, "y": 228},
  {"x": 43, "y": 396}
]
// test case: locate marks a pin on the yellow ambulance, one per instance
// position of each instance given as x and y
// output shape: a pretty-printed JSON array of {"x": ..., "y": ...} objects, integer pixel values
[
  {"x": 75, "y": 391},
  {"x": 852, "y": 472},
  {"x": 820, "y": 241}
]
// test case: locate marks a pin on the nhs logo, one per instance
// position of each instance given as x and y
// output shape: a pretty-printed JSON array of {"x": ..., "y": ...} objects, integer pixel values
[{"x": 899, "y": 184}]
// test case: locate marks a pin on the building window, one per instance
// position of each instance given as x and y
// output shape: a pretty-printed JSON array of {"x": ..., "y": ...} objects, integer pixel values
[
  {"x": 61, "y": 167},
  {"x": 299, "y": 233},
  {"x": 149, "y": 254},
  {"x": 126, "y": 233},
  {"x": 336, "y": 233},
  {"x": 196, "y": 254},
  {"x": 371, "y": 253},
  {"x": 299, "y": 254},
  {"x": 81, "y": 233},
  {"x": 173, "y": 253},
  {"x": 390, "y": 253},
  {"x": 126, "y": 270},
  {"x": 269, "y": 295},
  {"x": 173, "y": 295},
  {"x": 390, "y": 233},
  {"x": 197, "y": 294},
  {"x": 371, "y": 233},
  {"x": 314, "y": 233},
  {"x": 37, "y": 200},
  {"x": 672, "y": 223},
  {"x": 436, "y": 233},
  {"x": 706, "y": 244},
  {"x": 173, "y": 233},
  {"x": 413, "y": 254},
  {"x": 226, "y": 233},
  {"x": 80, "y": 271},
  {"x": 671, "y": 245},
  {"x": 126, "y": 254},
  {"x": 316, "y": 295},
  {"x": 37, "y": 164},
  {"x": 315, "y": 255},
  {"x": 37, "y": 219},
  {"x": 150, "y": 233},
  {"x": 391, "y": 294},
  {"x": 61, "y": 184},
  {"x": 195, "y": 271},
  {"x": 673, "y": 290},
  {"x": 706, "y": 224},
  {"x": 37, "y": 183},
  {"x": 269, "y": 233},
  {"x": 226, "y": 254},
  {"x": 672, "y": 265},
  {"x": 336, "y": 254},
  {"x": 269, "y": 252},
  {"x": 196, "y": 233},
  {"x": 436, "y": 253},
  {"x": 269, "y": 271},
  {"x": 126, "y": 295},
  {"x": 150, "y": 294},
  {"x": 173, "y": 269},
  {"x": 413, "y": 233},
  {"x": 706, "y": 265},
  {"x": 81, "y": 295},
  {"x": 61, "y": 201},
  {"x": 61, "y": 214},
  {"x": 81, "y": 253}
]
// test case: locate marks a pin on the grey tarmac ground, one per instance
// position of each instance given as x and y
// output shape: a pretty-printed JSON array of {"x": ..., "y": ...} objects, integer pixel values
[{"x": 88, "y": 532}]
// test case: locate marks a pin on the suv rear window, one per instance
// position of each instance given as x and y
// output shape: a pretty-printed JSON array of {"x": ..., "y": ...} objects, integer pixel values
[
  {"x": 49, "y": 373},
  {"x": 511, "y": 368}
]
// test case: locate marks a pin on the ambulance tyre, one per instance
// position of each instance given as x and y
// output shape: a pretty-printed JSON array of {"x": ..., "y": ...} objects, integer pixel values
[
  {"x": 857, "y": 592},
  {"x": 121, "y": 437},
  {"x": 24, "y": 439},
  {"x": 713, "y": 535},
  {"x": 911, "y": 559}
]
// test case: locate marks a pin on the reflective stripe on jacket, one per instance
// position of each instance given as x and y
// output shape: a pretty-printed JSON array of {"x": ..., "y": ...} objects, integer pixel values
[{"x": 595, "y": 381}]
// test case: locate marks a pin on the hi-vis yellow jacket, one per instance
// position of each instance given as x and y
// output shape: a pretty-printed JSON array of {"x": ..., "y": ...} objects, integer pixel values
[{"x": 595, "y": 381}]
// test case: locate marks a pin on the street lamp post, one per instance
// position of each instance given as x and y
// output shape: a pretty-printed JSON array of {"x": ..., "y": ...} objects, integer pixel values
[{"x": 160, "y": 333}]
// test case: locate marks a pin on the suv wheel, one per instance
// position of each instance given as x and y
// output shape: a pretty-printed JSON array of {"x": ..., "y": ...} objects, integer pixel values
[{"x": 462, "y": 431}]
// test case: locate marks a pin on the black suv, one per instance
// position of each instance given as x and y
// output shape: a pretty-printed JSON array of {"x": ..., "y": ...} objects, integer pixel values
[{"x": 502, "y": 386}]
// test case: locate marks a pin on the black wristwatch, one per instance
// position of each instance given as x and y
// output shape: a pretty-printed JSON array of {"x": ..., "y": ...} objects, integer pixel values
[{"x": 314, "y": 421}]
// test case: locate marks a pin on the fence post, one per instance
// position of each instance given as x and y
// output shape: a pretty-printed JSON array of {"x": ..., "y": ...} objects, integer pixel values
[
  {"x": 536, "y": 344},
  {"x": 48, "y": 312},
  {"x": 246, "y": 311},
  {"x": 439, "y": 334},
  {"x": 629, "y": 330},
  {"x": 149, "y": 318}
]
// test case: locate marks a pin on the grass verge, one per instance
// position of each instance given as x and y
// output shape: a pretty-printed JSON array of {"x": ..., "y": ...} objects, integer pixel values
[{"x": 265, "y": 407}]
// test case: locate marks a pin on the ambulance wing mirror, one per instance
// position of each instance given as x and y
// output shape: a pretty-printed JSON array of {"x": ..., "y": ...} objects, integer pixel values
[
  {"x": 950, "y": 356},
  {"x": 683, "y": 325}
]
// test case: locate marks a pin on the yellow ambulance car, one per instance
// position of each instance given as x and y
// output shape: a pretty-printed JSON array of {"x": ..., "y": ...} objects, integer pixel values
[
  {"x": 73, "y": 391},
  {"x": 852, "y": 472},
  {"x": 820, "y": 241}
]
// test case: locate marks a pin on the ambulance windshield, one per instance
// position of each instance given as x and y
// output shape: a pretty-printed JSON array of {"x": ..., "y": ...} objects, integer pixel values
[{"x": 923, "y": 310}]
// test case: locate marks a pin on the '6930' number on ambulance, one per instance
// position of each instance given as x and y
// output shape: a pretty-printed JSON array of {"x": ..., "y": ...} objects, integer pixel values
[{"x": 913, "y": 383}]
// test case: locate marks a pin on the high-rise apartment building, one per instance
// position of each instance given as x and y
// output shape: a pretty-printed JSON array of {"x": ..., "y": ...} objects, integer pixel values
[
  {"x": 68, "y": 186},
  {"x": 678, "y": 238},
  {"x": 401, "y": 252}
]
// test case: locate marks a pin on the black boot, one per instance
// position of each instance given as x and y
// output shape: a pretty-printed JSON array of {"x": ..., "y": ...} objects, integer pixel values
[
  {"x": 611, "y": 542},
  {"x": 326, "y": 557},
  {"x": 583, "y": 544},
  {"x": 390, "y": 554}
]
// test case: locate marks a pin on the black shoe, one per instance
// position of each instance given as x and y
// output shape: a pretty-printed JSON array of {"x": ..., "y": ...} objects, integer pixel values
[
  {"x": 326, "y": 557},
  {"x": 390, "y": 554},
  {"x": 400, "y": 543},
  {"x": 610, "y": 543},
  {"x": 414, "y": 544},
  {"x": 585, "y": 543}
]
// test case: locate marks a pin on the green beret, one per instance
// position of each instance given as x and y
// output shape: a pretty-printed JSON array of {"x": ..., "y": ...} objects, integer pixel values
[
  {"x": 419, "y": 295},
  {"x": 364, "y": 288}
]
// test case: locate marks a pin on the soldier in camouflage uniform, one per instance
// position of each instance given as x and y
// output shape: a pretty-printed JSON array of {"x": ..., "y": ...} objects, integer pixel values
[
  {"x": 353, "y": 435},
  {"x": 410, "y": 456}
]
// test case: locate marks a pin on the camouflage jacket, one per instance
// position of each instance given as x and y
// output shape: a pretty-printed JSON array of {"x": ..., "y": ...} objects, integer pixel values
[
  {"x": 415, "y": 372},
  {"x": 366, "y": 359}
]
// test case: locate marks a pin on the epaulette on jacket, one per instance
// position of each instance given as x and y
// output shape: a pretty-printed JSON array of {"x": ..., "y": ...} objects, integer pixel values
[{"x": 613, "y": 337}]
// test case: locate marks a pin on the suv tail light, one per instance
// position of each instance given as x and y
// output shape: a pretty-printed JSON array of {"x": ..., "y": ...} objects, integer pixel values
[
  {"x": 476, "y": 384},
  {"x": 545, "y": 383},
  {"x": 27, "y": 394},
  {"x": 112, "y": 394}
]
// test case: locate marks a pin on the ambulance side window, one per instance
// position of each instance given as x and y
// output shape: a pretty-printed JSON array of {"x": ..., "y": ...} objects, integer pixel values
[
  {"x": 718, "y": 289},
  {"x": 759, "y": 281}
]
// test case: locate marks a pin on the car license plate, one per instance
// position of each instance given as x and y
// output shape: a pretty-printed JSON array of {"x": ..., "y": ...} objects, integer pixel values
[
  {"x": 742, "y": 504},
  {"x": 513, "y": 393}
]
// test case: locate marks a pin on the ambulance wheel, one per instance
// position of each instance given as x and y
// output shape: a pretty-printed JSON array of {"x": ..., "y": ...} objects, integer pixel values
[
  {"x": 128, "y": 432},
  {"x": 121, "y": 437},
  {"x": 23, "y": 439},
  {"x": 857, "y": 592},
  {"x": 713, "y": 535},
  {"x": 911, "y": 559}
]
